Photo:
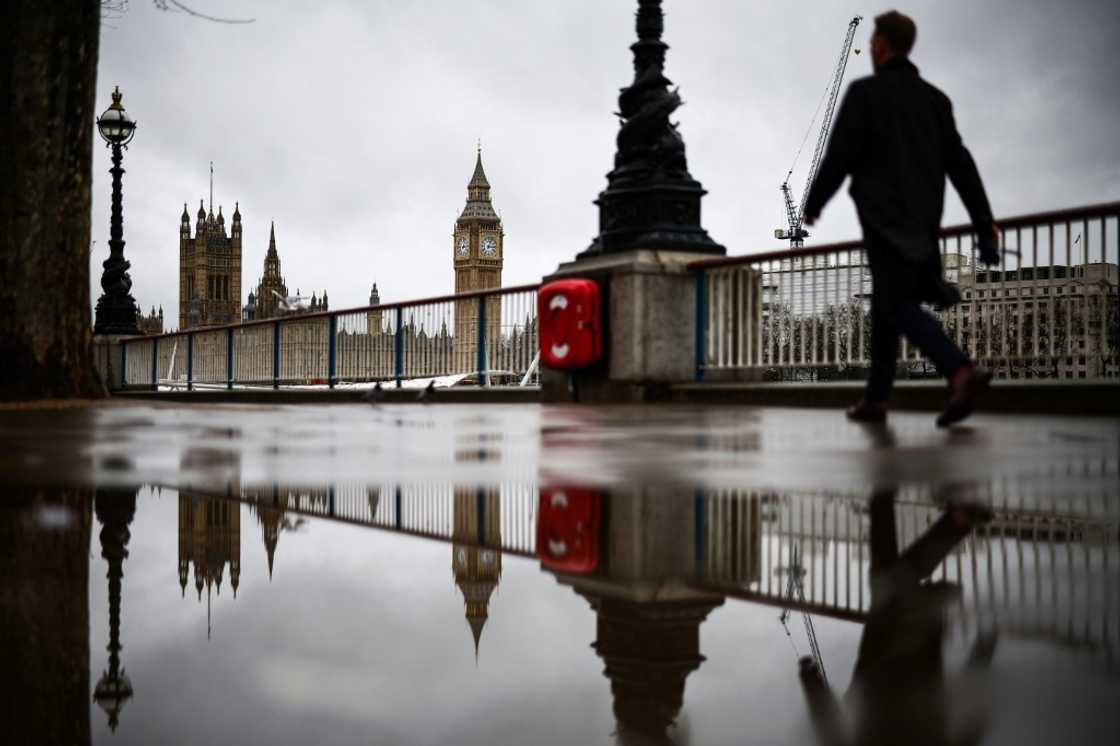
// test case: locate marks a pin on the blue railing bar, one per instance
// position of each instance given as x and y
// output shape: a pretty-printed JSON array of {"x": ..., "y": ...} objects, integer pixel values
[
  {"x": 190, "y": 362},
  {"x": 332, "y": 351},
  {"x": 155, "y": 364},
  {"x": 701, "y": 322},
  {"x": 276, "y": 355},
  {"x": 398, "y": 348},
  {"x": 480, "y": 507},
  {"x": 483, "y": 379},
  {"x": 229, "y": 358},
  {"x": 700, "y": 517}
]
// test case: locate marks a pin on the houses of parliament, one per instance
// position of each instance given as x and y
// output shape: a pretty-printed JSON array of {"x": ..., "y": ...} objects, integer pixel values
[{"x": 210, "y": 270}]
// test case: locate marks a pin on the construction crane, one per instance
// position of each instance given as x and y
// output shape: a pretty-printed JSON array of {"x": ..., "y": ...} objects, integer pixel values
[
  {"x": 796, "y": 213},
  {"x": 796, "y": 594}
]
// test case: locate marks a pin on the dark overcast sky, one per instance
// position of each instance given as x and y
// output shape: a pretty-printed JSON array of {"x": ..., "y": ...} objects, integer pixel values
[{"x": 352, "y": 123}]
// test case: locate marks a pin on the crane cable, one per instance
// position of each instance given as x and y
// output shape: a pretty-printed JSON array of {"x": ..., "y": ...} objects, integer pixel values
[{"x": 809, "y": 129}]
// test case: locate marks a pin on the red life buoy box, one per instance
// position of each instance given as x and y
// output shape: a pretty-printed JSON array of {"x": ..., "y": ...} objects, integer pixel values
[
  {"x": 568, "y": 529},
  {"x": 570, "y": 329}
]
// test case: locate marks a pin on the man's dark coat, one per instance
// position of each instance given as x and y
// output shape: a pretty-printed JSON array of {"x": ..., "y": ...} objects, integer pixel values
[{"x": 895, "y": 135}]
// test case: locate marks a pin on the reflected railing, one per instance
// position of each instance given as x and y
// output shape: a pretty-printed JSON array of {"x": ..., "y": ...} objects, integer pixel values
[{"x": 1041, "y": 567}]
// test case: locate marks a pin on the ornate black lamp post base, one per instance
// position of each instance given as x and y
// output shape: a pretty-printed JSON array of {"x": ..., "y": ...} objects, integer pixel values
[
  {"x": 115, "y": 314},
  {"x": 651, "y": 201}
]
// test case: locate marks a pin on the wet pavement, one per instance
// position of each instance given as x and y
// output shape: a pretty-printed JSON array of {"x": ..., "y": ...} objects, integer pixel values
[{"x": 556, "y": 575}]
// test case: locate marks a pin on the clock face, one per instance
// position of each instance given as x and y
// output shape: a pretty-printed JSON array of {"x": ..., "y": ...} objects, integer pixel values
[
  {"x": 464, "y": 247},
  {"x": 489, "y": 246},
  {"x": 487, "y": 557},
  {"x": 461, "y": 556}
]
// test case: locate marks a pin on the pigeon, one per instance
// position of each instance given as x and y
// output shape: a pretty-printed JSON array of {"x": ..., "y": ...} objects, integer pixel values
[
  {"x": 375, "y": 395},
  {"x": 427, "y": 393}
]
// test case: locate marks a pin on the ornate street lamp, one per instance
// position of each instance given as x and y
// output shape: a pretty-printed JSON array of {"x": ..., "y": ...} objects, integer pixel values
[
  {"x": 651, "y": 201},
  {"x": 116, "y": 310}
]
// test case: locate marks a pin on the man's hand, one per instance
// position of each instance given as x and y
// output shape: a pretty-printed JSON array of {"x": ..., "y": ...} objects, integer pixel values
[{"x": 989, "y": 246}]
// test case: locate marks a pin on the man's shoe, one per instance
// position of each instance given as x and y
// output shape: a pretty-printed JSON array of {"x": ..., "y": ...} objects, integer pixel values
[
  {"x": 966, "y": 384},
  {"x": 868, "y": 411}
]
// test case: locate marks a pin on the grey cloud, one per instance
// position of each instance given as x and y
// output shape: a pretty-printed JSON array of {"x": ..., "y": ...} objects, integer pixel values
[{"x": 353, "y": 124}]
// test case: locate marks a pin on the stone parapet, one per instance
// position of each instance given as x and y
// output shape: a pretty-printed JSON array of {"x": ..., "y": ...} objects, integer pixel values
[{"x": 649, "y": 334}]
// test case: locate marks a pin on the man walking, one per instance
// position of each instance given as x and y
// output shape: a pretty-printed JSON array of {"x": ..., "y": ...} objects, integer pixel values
[{"x": 895, "y": 135}]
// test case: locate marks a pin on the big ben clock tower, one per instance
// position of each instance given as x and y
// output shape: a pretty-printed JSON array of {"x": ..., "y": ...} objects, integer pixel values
[{"x": 478, "y": 256}]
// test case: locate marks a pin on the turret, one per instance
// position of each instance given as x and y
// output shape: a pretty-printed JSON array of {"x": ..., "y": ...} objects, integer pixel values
[
  {"x": 185, "y": 223},
  {"x": 236, "y": 227},
  {"x": 201, "y": 217},
  {"x": 374, "y": 296},
  {"x": 323, "y": 304}
]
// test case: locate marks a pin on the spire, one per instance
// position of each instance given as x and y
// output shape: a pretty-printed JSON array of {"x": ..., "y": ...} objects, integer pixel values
[
  {"x": 237, "y": 212},
  {"x": 476, "y": 624},
  {"x": 212, "y": 188},
  {"x": 201, "y": 211},
  {"x": 272, "y": 240},
  {"x": 185, "y": 217},
  {"x": 478, "y": 194},
  {"x": 478, "y": 178}
]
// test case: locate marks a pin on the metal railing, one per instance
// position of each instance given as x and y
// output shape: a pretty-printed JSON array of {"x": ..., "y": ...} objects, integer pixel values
[
  {"x": 1051, "y": 309},
  {"x": 484, "y": 337}
]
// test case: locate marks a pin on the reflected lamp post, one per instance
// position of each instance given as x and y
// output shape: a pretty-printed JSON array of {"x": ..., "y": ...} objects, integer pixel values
[
  {"x": 115, "y": 509},
  {"x": 116, "y": 310}
]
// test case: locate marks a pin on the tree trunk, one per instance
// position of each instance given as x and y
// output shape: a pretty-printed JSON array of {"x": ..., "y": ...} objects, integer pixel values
[
  {"x": 48, "y": 74},
  {"x": 44, "y": 615}
]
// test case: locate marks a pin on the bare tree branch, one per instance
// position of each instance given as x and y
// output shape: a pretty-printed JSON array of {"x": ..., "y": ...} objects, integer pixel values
[{"x": 176, "y": 6}]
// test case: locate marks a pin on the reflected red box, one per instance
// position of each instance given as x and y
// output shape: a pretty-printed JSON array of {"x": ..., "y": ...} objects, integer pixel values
[
  {"x": 568, "y": 529},
  {"x": 570, "y": 329}
]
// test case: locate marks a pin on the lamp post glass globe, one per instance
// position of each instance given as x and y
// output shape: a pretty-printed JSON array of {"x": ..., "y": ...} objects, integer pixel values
[{"x": 115, "y": 126}]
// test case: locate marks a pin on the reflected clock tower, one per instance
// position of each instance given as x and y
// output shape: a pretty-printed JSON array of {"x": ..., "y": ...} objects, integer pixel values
[{"x": 476, "y": 559}]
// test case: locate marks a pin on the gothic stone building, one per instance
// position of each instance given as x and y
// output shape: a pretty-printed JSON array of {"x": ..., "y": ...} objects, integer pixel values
[
  {"x": 209, "y": 270},
  {"x": 264, "y": 303}
]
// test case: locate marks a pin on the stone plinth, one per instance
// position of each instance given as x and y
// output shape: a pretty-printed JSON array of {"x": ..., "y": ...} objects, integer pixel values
[{"x": 649, "y": 328}]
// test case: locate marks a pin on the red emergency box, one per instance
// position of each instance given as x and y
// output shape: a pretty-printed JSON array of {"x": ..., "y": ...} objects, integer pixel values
[
  {"x": 570, "y": 330},
  {"x": 568, "y": 529}
]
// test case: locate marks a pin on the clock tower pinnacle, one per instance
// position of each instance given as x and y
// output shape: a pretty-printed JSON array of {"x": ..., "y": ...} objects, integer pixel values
[{"x": 477, "y": 256}]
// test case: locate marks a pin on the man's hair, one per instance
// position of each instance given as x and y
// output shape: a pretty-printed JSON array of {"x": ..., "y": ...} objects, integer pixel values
[{"x": 898, "y": 30}]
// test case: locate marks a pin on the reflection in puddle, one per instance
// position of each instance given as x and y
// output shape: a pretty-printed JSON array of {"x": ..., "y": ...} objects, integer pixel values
[
  {"x": 917, "y": 577},
  {"x": 668, "y": 609}
]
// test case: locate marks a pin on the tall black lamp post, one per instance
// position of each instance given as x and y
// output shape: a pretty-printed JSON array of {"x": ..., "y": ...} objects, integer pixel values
[
  {"x": 651, "y": 201},
  {"x": 116, "y": 309}
]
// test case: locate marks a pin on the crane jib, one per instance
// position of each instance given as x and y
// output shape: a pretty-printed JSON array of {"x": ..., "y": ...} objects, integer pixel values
[{"x": 795, "y": 216}]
